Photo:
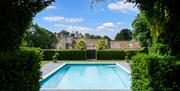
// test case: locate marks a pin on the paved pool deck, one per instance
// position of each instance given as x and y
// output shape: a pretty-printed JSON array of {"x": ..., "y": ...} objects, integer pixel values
[{"x": 52, "y": 67}]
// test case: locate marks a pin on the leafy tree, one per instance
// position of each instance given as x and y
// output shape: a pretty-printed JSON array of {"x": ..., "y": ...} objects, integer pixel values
[
  {"x": 163, "y": 17},
  {"x": 100, "y": 45},
  {"x": 15, "y": 17},
  {"x": 124, "y": 34},
  {"x": 107, "y": 37},
  {"x": 20, "y": 66},
  {"x": 40, "y": 37},
  {"x": 141, "y": 30},
  {"x": 81, "y": 45},
  {"x": 91, "y": 36}
]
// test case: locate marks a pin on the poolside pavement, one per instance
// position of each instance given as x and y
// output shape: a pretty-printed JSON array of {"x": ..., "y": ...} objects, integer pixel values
[{"x": 48, "y": 68}]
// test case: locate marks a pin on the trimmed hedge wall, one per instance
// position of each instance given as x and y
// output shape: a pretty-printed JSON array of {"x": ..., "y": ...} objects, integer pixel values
[
  {"x": 19, "y": 70},
  {"x": 110, "y": 55},
  {"x": 153, "y": 73},
  {"x": 66, "y": 54}
]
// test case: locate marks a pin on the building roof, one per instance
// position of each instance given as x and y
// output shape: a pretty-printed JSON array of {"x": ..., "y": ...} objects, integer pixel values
[{"x": 124, "y": 45}]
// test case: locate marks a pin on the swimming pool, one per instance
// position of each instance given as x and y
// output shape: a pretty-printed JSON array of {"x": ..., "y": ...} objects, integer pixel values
[{"x": 88, "y": 76}]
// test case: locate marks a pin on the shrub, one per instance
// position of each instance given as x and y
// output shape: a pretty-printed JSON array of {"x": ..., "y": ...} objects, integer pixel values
[
  {"x": 130, "y": 53},
  {"x": 81, "y": 45},
  {"x": 100, "y": 45},
  {"x": 55, "y": 56},
  {"x": 153, "y": 73},
  {"x": 19, "y": 70},
  {"x": 110, "y": 55},
  {"x": 143, "y": 50},
  {"x": 65, "y": 54}
]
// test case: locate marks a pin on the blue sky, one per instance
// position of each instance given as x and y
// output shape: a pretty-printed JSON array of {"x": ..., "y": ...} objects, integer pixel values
[{"x": 105, "y": 18}]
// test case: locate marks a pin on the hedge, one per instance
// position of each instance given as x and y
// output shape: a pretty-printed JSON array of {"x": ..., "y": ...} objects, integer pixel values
[
  {"x": 66, "y": 54},
  {"x": 153, "y": 73},
  {"x": 19, "y": 70},
  {"x": 110, "y": 55}
]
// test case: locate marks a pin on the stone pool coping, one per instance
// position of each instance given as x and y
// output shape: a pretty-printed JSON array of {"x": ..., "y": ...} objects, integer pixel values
[{"x": 50, "y": 68}]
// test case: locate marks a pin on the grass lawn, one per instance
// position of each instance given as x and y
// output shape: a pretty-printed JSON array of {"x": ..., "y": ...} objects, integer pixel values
[{"x": 44, "y": 62}]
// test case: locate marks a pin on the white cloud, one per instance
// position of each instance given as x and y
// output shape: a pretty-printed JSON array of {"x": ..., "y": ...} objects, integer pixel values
[
  {"x": 122, "y": 7},
  {"x": 74, "y": 20},
  {"x": 54, "y": 18},
  {"x": 63, "y": 19},
  {"x": 106, "y": 26},
  {"x": 51, "y": 7},
  {"x": 72, "y": 28}
]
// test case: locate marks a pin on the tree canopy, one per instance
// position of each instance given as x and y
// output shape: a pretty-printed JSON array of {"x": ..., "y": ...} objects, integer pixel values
[
  {"x": 141, "y": 30},
  {"x": 81, "y": 45},
  {"x": 124, "y": 35},
  {"x": 100, "y": 45},
  {"x": 15, "y": 17},
  {"x": 164, "y": 20},
  {"x": 40, "y": 37}
]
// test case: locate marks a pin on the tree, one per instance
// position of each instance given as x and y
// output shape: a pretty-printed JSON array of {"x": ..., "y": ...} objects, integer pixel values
[
  {"x": 107, "y": 37},
  {"x": 124, "y": 34},
  {"x": 81, "y": 45},
  {"x": 100, "y": 45},
  {"x": 91, "y": 36},
  {"x": 15, "y": 17},
  {"x": 163, "y": 17},
  {"x": 141, "y": 30},
  {"x": 40, "y": 37},
  {"x": 21, "y": 66}
]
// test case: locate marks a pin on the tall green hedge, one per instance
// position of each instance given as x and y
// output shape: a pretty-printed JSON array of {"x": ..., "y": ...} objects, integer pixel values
[
  {"x": 110, "y": 55},
  {"x": 66, "y": 54},
  {"x": 153, "y": 73},
  {"x": 19, "y": 70}
]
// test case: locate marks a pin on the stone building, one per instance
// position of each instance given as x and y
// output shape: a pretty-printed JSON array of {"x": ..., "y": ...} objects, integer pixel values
[
  {"x": 65, "y": 40},
  {"x": 68, "y": 41},
  {"x": 133, "y": 45}
]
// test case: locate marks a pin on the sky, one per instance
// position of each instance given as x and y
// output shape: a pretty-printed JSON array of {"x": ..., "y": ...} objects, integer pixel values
[{"x": 106, "y": 18}]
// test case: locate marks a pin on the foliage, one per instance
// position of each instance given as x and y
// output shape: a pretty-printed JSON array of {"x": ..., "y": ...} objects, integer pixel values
[
  {"x": 19, "y": 66},
  {"x": 124, "y": 34},
  {"x": 80, "y": 45},
  {"x": 55, "y": 56},
  {"x": 153, "y": 73},
  {"x": 65, "y": 54},
  {"x": 40, "y": 37},
  {"x": 100, "y": 45},
  {"x": 164, "y": 21},
  {"x": 20, "y": 70},
  {"x": 15, "y": 17},
  {"x": 110, "y": 55},
  {"x": 141, "y": 30},
  {"x": 107, "y": 37},
  {"x": 91, "y": 36}
]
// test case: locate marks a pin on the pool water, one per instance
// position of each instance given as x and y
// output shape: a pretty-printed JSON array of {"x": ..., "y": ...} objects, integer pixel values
[{"x": 88, "y": 76}]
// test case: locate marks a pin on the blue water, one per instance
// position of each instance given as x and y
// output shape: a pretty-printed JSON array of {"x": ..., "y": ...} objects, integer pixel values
[{"x": 88, "y": 76}]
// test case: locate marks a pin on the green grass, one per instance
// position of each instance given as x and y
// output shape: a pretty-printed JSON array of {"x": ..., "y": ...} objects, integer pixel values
[{"x": 44, "y": 63}]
